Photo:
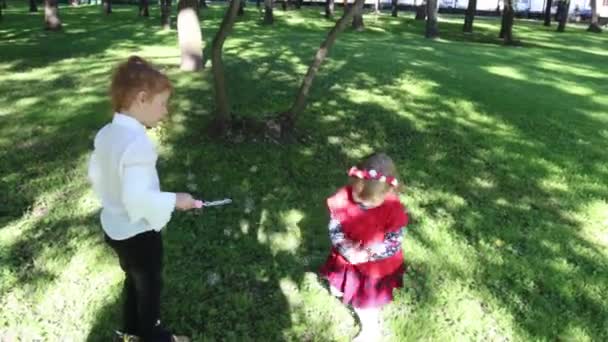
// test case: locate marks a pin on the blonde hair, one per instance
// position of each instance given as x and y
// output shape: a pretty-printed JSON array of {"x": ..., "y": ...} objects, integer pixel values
[{"x": 133, "y": 76}]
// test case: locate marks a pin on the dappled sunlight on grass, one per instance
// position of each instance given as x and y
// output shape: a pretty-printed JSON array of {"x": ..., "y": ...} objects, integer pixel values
[
  {"x": 308, "y": 302},
  {"x": 506, "y": 71},
  {"x": 289, "y": 239},
  {"x": 556, "y": 66}
]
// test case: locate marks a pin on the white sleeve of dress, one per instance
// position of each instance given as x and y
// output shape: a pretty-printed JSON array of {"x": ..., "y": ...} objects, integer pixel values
[
  {"x": 140, "y": 196},
  {"x": 94, "y": 174}
]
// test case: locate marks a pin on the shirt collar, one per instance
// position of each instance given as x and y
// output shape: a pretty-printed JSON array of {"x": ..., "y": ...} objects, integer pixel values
[{"x": 128, "y": 121}]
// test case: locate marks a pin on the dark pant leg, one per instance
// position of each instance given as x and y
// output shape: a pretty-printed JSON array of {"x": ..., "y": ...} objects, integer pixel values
[
  {"x": 129, "y": 309},
  {"x": 149, "y": 284},
  {"x": 141, "y": 259}
]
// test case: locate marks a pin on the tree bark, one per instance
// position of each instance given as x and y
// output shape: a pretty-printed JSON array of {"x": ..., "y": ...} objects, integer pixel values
[
  {"x": 258, "y": 3},
  {"x": 432, "y": 30},
  {"x": 358, "y": 20},
  {"x": 202, "y": 4},
  {"x": 506, "y": 27},
  {"x": 107, "y": 6},
  {"x": 329, "y": 8},
  {"x": 3, "y": 4},
  {"x": 268, "y": 17},
  {"x": 165, "y": 14},
  {"x": 421, "y": 12},
  {"x": 299, "y": 4},
  {"x": 563, "y": 8},
  {"x": 548, "y": 13},
  {"x": 51, "y": 15},
  {"x": 33, "y": 6},
  {"x": 394, "y": 8},
  {"x": 376, "y": 6},
  {"x": 595, "y": 23},
  {"x": 189, "y": 35},
  {"x": 289, "y": 118},
  {"x": 241, "y": 11},
  {"x": 470, "y": 16},
  {"x": 223, "y": 115},
  {"x": 284, "y": 5},
  {"x": 143, "y": 8}
]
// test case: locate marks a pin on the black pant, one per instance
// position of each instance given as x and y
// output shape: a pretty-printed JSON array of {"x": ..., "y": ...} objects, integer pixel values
[{"x": 141, "y": 258}]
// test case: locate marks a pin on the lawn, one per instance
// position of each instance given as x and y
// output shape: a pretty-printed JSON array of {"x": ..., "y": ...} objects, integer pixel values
[{"x": 502, "y": 151}]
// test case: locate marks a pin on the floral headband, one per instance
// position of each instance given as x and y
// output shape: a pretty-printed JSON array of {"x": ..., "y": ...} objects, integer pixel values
[{"x": 372, "y": 175}]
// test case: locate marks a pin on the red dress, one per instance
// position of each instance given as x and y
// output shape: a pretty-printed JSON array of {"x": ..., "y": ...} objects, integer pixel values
[{"x": 367, "y": 284}]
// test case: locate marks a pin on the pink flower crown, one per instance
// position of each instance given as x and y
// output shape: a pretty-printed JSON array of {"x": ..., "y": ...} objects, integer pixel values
[{"x": 372, "y": 175}]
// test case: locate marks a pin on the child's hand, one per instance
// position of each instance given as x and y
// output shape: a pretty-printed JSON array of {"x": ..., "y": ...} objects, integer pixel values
[
  {"x": 358, "y": 256},
  {"x": 184, "y": 201},
  {"x": 348, "y": 244}
]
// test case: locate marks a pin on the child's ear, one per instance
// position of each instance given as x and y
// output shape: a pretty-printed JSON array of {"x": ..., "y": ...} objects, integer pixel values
[{"x": 142, "y": 97}]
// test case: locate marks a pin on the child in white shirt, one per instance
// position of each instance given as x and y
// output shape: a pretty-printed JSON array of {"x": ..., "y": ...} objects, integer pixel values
[{"x": 122, "y": 170}]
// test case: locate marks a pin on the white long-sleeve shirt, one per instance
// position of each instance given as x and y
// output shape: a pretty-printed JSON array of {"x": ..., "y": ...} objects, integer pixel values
[{"x": 122, "y": 170}]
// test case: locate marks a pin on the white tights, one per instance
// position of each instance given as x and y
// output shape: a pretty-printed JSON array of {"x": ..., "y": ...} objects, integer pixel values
[{"x": 370, "y": 325}]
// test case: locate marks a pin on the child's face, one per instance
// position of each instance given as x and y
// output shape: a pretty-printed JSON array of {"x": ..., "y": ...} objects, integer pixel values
[{"x": 153, "y": 108}]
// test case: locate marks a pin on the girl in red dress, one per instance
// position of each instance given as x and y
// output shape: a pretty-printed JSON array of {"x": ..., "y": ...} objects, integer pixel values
[{"x": 367, "y": 223}]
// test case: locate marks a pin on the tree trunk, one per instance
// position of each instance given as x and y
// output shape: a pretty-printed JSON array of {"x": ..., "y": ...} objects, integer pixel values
[
  {"x": 421, "y": 12},
  {"x": 202, "y": 4},
  {"x": 548, "y": 13},
  {"x": 143, "y": 8},
  {"x": 506, "y": 27},
  {"x": 329, "y": 8},
  {"x": 595, "y": 24},
  {"x": 394, "y": 8},
  {"x": 268, "y": 17},
  {"x": 51, "y": 15},
  {"x": 377, "y": 6},
  {"x": 299, "y": 4},
  {"x": 241, "y": 11},
  {"x": 258, "y": 3},
  {"x": 470, "y": 16},
  {"x": 33, "y": 6},
  {"x": 165, "y": 14},
  {"x": 289, "y": 118},
  {"x": 358, "y": 22},
  {"x": 432, "y": 30},
  {"x": 107, "y": 6},
  {"x": 3, "y": 4},
  {"x": 563, "y": 8},
  {"x": 358, "y": 19},
  {"x": 222, "y": 116},
  {"x": 189, "y": 35},
  {"x": 284, "y": 5}
]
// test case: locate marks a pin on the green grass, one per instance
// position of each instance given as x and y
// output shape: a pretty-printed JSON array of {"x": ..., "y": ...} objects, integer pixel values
[{"x": 502, "y": 150}]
